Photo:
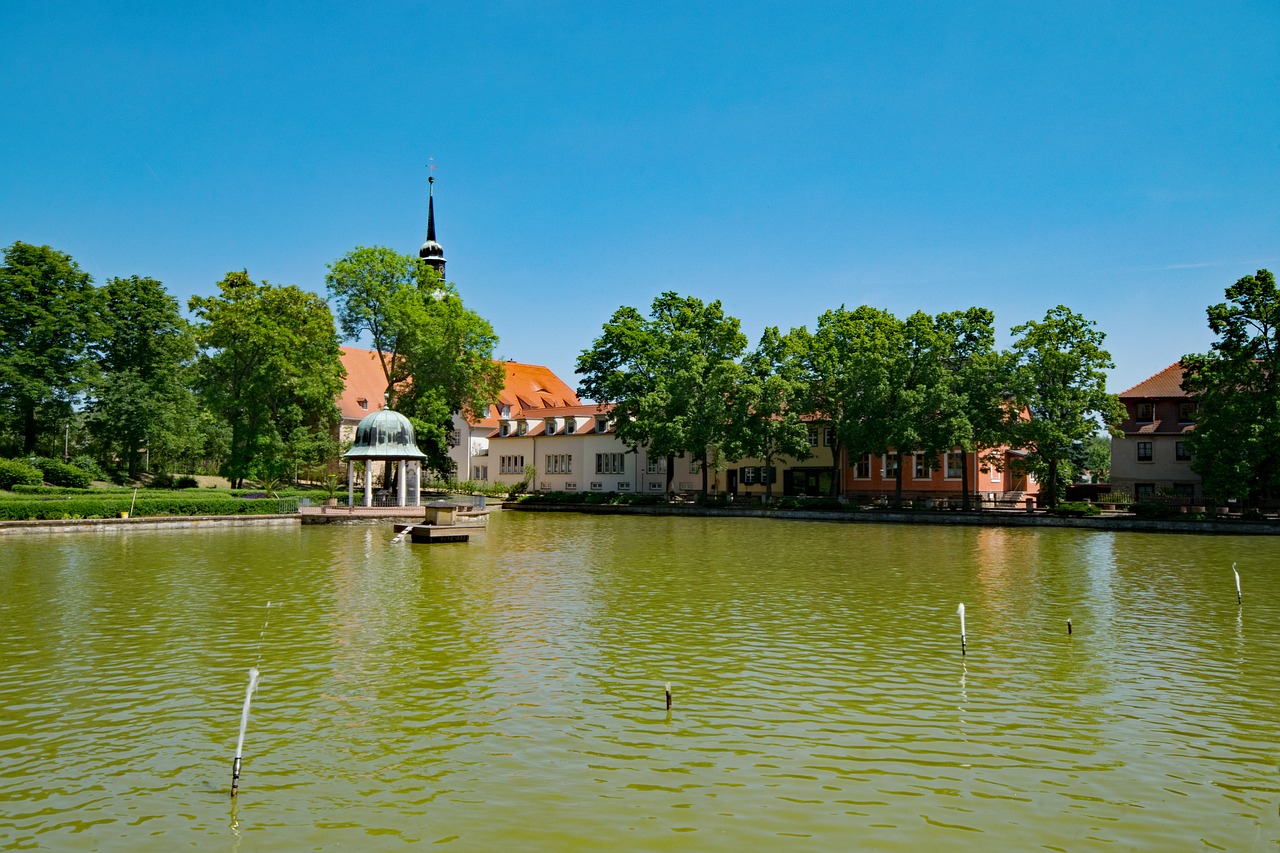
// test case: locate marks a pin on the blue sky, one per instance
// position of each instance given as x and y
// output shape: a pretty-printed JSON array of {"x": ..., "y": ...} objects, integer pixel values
[{"x": 1122, "y": 159}]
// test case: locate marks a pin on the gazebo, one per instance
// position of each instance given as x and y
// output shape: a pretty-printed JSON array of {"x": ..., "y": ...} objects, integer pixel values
[{"x": 385, "y": 436}]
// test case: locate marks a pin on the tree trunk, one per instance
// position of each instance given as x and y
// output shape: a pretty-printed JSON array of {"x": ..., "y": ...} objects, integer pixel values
[
  {"x": 964, "y": 478},
  {"x": 766, "y": 474},
  {"x": 706, "y": 463},
  {"x": 671, "y": 472},
  {"x": 897, "y": 483},
  {"x": 836, "y": 472},
  {"x": 1051, "y": 499},
  {"x": 28, "y": 429}
]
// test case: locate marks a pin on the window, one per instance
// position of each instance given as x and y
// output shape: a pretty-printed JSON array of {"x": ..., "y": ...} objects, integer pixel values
[
  {"x": 922, "y": 471},
  {"x": 1144, "y": 412},
  {"x": 505, "y": 430},
  {"x": 597, "y": 487},
  {"x": 1184, "y": 490},
  {"x": 363, "y": 403},
  {"x": 813, "y": 436},
  {"x": 571, "y": 426},
  {"x": 862, "y": 468},
  {"x": 995, "y": 472},
  {"x": 829, "y": 437},
  {"x": 1144, "y": 451},
  {"x": 1144, "y": 490},
  {"x": 559, "y": 463},
  {"x": 658, "y": 466},
  {"x": 695, "y": 466},
  {"x": 602, "y": 424},
  {"x": 955, "y": 465},
  {"x": 611, "y": 463},
  {"x": 1181, "y": 452},
  {"x": 480, "y": 472},
  {"x": 510, "y": 464},
  {"x": 524, "y": 428},
  {"x": 748, "y": 475},
  {"x": 891, "y": 464},
  {"x": 549, "y": 426},
  {"x": 1187, "y": 412}
]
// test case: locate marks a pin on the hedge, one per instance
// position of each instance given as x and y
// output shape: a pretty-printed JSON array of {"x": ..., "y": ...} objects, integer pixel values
[
  {"x": 59, "y": 473},
  {"x": 13, "y": 473},
  {"x": 146, "y": 505}
]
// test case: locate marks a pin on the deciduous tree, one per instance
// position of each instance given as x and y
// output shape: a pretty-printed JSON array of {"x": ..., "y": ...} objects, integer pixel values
[
  {"x": 141, "y": 397},
  {"x": 435, "y": 353},
  {"x": 765, "y": 406},
  {"x": 269, "y": 365},
  {"x": 1060, "y": 380},
  {"x": 48, "y": 321},
  {"x": 1236, "y": 442},
  {"x": 668, "y": 376}
]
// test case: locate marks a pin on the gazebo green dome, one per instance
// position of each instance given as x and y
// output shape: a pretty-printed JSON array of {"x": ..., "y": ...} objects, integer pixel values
[{"x": 385, "y": 435}]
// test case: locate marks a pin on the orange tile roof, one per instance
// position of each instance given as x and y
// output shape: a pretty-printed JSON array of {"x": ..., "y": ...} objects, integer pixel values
[
  {"x": 365, "y": 381},
  {"x": 526, "y": 386},
  {"x": 529, "y": 386},
  {"x": 1165, "y": 384}
]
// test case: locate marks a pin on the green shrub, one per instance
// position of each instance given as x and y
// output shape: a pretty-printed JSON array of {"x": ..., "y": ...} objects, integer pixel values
[
  {"x": 13, "y": 473},
  {"x": 163, "y": 480},
  {"x": 186, "y": 481},
  {"x": 145, "y": 505},
  {"x": 1075, "y": 509},
  {"x": 1154, "y": 510},
  {"x": 24, "y": 489},
  {"x": 58, "y": 473},
  {"x": 90, "y": 466}
]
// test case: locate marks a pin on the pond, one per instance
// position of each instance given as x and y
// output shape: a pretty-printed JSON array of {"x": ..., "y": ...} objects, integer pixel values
[{"x": 509, "y": 693}]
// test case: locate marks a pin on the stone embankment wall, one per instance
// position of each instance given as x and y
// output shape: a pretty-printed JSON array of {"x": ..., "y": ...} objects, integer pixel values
[
  {"x": 972, "y": 519},
  {"x": 166, "y": 522}
]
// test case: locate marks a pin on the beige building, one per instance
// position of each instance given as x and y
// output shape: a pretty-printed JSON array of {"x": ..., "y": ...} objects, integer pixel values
[{"x": 1153, "y": 456}]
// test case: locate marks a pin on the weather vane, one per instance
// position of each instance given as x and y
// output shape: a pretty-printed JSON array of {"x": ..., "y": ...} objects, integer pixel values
[{"x": 431, "y": 167}]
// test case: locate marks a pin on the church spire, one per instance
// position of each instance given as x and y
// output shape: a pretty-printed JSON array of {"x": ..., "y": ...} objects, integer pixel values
[{"x": 431, "y": 251}]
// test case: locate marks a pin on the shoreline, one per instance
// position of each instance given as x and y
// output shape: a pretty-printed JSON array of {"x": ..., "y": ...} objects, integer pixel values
[{"x": 947, "y": 518}]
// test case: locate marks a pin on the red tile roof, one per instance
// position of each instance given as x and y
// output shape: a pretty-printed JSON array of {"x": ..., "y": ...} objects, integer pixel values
[
  {"x": 365, "y": 381},
  {"x": 526, "y": 386},
  {"x": 1165, "y": 384}
]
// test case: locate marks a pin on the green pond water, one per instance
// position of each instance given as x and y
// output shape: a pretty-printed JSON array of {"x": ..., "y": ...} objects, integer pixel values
[{"x": 508, "y": 694}]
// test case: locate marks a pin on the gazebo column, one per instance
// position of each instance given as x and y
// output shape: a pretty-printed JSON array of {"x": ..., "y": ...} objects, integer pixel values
[
  {"x": 400, "y": 484},
  {"x": 368, "y": 483},
  {"x": 417, "y": 483},
  {"x": 351, "y": 482}
]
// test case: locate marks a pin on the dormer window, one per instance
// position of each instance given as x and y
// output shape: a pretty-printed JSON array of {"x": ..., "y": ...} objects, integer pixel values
[
  {"x": 524, "y": 427},
  {"x": 602, "y": 424},
  {"x": 1145, "y": 412},
  {"x": 505, "y": 430},
  {"x": 549, "y": 426},
  {"x": 363, "y": 403},
  {"x": 571, "y": 426},
  {"x": 504, "y": 412}
]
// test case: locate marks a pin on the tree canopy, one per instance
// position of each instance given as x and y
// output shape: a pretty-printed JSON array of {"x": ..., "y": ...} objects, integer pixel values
[
  {"x": 49, "y": 319},
  {"x": 436, "y": 354},
  {"x": 141, "y": 396},
  {"x": 1236, "y": 442},
  {"x": 270, "y": 367},
  {"x": 1059, "y": 379},
  {"x": 765, "y": 413},
  {"x": 668, "y": 376}
]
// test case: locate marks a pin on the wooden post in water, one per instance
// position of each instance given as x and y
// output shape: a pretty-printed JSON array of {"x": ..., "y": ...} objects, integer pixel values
[
  {"x": 960, "y": 610},
  {"x": 668, "y": 695},
  {"x": 1239, "y": 597},
  {"x": 1068, "y": 627}
]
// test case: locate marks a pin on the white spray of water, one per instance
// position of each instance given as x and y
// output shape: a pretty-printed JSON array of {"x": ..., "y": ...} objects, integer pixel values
[
  {"x": 1239, "y": 597},
  {"x": 960, "y": 610},
  {"x": 244, "y": 715}
]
